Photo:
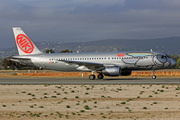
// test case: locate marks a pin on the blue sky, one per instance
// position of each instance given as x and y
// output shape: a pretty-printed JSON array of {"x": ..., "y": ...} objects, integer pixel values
[{"x": 85, "y": 20}]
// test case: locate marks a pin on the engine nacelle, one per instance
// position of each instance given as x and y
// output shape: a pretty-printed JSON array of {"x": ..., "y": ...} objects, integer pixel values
[
  {"x": 126, "y": 72},
  {"x": 112, "y": 71},
  {"x": 115, "y": 71}
]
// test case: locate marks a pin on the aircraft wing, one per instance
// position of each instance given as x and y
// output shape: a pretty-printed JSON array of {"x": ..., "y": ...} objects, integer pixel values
[{"x": 89, "y": 65}]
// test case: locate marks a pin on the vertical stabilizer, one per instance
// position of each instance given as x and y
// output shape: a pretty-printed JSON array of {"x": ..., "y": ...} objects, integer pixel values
[{"x": 24, "y": 45}]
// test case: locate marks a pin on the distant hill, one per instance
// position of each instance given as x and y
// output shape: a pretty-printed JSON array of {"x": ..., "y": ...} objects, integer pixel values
[
  {"x": 170, "y": 45},
  {"x": 2, "y": 49}
]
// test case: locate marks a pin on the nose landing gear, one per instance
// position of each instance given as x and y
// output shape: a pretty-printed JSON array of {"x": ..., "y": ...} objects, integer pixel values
[{"x": 153, "y": 77}]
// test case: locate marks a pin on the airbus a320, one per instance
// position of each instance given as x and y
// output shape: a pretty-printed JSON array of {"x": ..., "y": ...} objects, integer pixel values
[{"x": 105, "y": 64}]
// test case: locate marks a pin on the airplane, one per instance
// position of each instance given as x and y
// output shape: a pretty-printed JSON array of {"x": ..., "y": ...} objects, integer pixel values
[{"x": 104, "y": 63}]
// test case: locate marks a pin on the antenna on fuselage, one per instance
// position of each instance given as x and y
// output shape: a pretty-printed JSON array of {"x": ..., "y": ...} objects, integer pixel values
[{"x": 151, "y": 50}]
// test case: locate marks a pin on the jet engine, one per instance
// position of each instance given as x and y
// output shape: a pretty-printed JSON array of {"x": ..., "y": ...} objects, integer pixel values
[
  {"x": 115, "y": 71},
  {"x": 112, "y": 71}
]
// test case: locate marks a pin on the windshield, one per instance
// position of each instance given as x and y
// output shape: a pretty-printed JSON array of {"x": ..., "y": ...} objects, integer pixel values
[{"x": 167, "y": 56}]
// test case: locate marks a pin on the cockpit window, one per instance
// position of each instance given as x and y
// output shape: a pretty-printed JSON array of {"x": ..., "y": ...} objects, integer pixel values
[
  {"x": 163, "y": 57},
  {"x": 167, "y": 56}
]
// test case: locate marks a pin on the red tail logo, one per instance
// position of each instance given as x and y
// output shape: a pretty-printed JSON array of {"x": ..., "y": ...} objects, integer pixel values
[{"x": 25, "y": 43}]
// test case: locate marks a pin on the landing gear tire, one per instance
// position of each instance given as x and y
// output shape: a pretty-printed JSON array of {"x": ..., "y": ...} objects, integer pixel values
[
  {"x": 153, "y": 77},
  {"x": 100, "y": 76},
  {"x": 92, "y": 77}
]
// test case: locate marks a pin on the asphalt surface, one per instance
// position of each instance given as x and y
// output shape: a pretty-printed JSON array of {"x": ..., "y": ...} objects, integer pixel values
[{"x": 37, "y": 81}]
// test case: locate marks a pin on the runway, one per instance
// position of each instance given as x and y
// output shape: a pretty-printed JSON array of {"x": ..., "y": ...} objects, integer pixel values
[{"x": 72, "y": 81}]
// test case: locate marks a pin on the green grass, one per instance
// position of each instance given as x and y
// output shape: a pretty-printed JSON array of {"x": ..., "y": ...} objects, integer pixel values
[
  {"x": 103, "y": 96},
  {"x": 82, "y": 111},
  {"x": 154, "y": 102},
  {"x": 86, "y": 107},
  {"x": 67, "y": 106},
  {"x": 31, "y": 106},
  {"x": 123, "y": 102},
  {"x": 53, "y": 96},
  {"x": 161, "y": 90},
  {"x": 87, "y": 88},
  {"x": 41, "y": 106},
  {"x": 3, "y": 105}
]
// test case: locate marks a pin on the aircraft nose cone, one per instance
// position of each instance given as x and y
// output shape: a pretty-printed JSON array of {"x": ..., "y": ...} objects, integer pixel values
[{"x": 173, "y": 62}]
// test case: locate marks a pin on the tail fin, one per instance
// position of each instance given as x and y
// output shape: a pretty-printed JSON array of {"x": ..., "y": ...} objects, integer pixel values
[{"x": 24, "y": 45}]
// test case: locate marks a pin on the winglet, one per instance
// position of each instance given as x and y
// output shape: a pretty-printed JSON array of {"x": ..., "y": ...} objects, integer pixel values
[{"x": 24, "y": 45}]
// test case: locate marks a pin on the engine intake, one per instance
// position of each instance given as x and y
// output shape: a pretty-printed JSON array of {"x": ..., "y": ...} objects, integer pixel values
[{"x": 112, "y": 71}]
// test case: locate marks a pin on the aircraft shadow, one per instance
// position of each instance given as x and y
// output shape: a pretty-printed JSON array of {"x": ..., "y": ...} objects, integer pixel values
[{"x": 106, "y": 79}]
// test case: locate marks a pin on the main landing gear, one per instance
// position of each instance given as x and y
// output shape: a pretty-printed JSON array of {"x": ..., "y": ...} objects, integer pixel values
[
  {"x": 100, "y": 76},
  {"x": 153, "y": 77},
  {"x": 92, "y": 76}
]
